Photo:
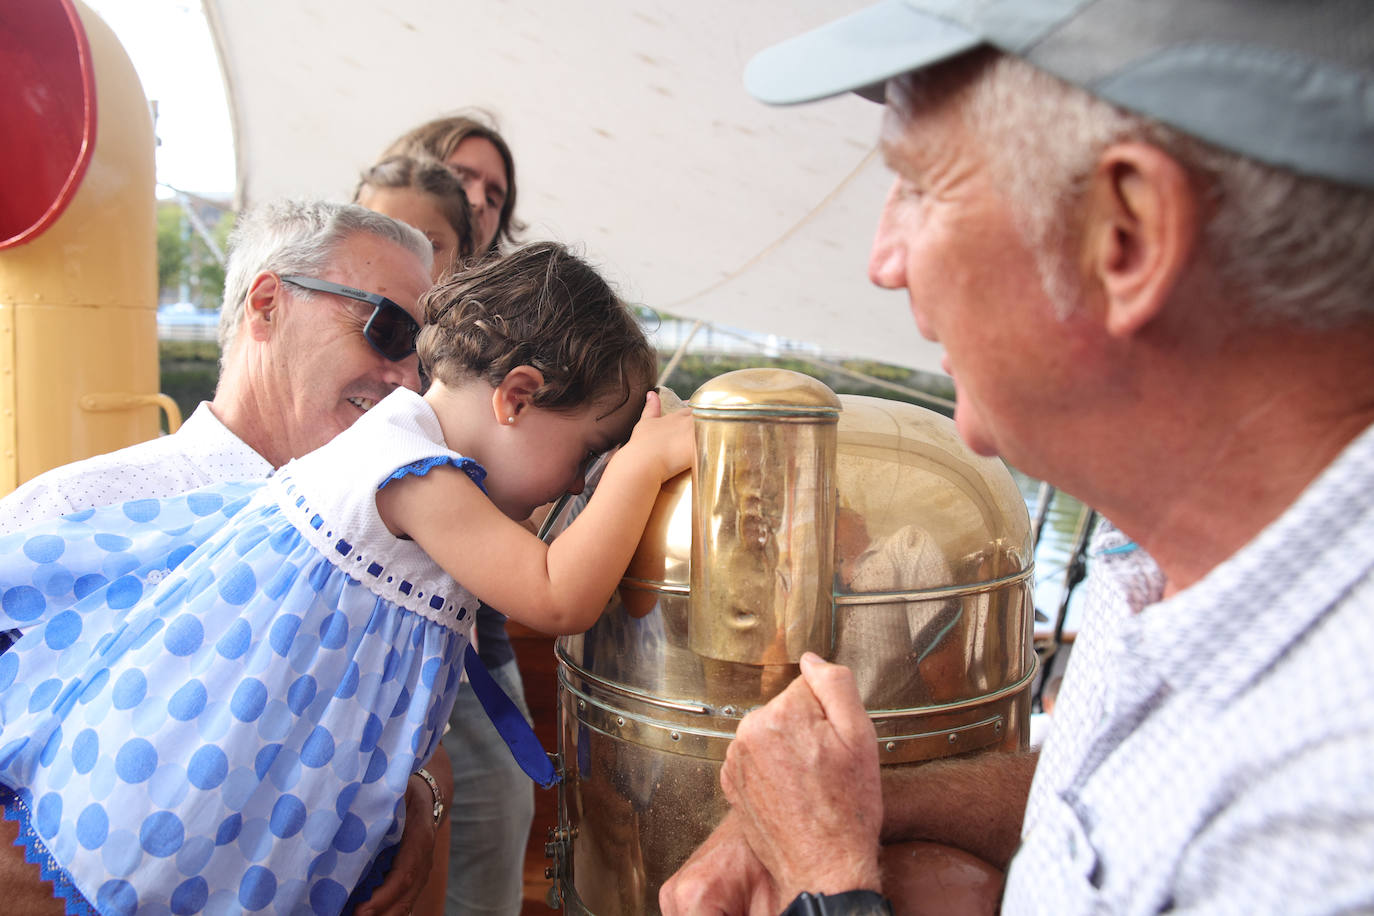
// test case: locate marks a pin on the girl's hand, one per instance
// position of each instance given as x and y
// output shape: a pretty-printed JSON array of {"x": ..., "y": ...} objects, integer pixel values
[{"x": 665, "y": 439}]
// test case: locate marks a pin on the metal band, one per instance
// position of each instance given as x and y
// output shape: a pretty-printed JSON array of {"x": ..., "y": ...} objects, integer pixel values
[
  {"x": 933, "y": 594},
  {"x": 846, "y": 599},
  {"x": 654, "y": 585},
  {"x": 779, "y": 412}
]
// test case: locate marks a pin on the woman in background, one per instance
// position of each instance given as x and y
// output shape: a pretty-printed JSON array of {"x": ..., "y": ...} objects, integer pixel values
[{"x": 475, "y": 152}]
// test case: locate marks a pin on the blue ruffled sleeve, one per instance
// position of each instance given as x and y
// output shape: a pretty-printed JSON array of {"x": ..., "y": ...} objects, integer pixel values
[{"x": 476, "y": 473}]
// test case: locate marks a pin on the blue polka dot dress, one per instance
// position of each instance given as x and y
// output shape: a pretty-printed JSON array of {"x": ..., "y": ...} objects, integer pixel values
[{"x": 219, "y": 698}]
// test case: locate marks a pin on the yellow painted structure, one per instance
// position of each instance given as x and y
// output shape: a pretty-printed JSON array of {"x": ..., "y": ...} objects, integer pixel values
[{"x": 78, "y": 286}]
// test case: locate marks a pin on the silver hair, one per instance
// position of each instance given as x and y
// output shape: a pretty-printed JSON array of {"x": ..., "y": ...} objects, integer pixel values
[
  {"x": 1295, "y": 249},
  {"x": 299, "y": 237}
]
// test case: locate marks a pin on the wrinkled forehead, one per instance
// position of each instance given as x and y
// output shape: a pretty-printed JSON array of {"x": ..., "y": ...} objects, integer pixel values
[
  {"x": 380, "y": 266},
  {"x": 913, "y": 101}
]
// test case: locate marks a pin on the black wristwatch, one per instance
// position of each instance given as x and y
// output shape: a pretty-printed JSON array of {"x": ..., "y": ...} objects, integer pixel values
[{"x": 850, "y": 903}]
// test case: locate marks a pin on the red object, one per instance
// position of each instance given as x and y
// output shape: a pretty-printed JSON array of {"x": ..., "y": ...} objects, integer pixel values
[{"x": 47, "y": 107}]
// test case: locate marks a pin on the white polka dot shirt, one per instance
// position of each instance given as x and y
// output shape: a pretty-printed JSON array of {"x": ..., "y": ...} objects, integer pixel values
[{"x": 203, "y": 451}]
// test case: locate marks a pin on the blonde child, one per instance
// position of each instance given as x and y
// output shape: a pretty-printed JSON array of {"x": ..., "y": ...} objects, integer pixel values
[{"x": 219, "y": 698}]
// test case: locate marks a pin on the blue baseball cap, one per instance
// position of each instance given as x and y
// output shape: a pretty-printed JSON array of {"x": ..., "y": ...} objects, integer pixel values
[{"x": 1285, "y": 82}]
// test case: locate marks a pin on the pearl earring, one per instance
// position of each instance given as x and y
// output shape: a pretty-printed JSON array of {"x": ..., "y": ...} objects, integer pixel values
[{"x": 510, "y": 420}]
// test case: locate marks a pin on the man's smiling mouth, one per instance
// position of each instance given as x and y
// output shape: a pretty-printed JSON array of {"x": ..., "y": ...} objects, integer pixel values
[{"x": 363, "y": 404}]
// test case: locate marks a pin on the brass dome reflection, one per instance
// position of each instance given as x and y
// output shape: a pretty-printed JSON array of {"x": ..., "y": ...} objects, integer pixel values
[{"x": 859, "y": 528}]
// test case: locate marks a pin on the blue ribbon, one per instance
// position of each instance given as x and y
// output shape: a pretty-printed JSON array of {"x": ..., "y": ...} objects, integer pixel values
[{"x": 509, "y": 721}]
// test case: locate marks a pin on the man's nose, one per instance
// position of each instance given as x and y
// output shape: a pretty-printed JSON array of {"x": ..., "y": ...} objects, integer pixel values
[{"x": 887, "y": 259}]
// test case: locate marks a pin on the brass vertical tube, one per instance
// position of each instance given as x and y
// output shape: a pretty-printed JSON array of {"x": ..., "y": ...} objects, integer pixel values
[{"x": 763, "y": 517}]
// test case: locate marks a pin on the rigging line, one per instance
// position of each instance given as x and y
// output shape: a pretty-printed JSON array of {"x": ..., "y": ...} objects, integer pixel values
[
  {"x": 777, "y": 243},
  {"x": 678, "y": 354},
  {"x": 1043, "y": 498},
  {"x": 199, "y": 198},
  {"x": 919, "y": 395},
  {"x": 801, "y": 356},
  {"x": 185, "y": 201}
]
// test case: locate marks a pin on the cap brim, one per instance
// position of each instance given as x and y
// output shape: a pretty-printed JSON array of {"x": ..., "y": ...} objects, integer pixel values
[{"x": 858, "y": 53}]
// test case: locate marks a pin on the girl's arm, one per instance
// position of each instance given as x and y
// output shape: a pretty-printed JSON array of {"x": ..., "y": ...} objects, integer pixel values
[{"x": 554, "y": 588}]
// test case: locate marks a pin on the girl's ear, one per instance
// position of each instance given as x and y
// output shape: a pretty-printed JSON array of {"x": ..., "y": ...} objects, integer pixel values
[{"x": 515, "y": 394}]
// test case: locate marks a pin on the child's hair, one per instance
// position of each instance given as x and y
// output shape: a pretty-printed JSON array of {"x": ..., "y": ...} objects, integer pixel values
[
  {"x": 538, "y": 306},
  {"x": 428, "y": 176}
]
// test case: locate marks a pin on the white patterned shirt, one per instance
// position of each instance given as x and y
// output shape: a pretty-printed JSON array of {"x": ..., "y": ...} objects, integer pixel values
[
  {"x": 1214, "y": 752},
  {"x": 201, "y": 452}
]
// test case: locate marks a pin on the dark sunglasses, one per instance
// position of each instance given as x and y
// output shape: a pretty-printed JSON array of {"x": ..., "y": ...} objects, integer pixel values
[{"x": 390, "y": 329}]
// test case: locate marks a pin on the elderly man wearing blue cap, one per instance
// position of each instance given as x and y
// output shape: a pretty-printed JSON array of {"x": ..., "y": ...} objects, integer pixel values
[{"x": 1143, "y": 231}]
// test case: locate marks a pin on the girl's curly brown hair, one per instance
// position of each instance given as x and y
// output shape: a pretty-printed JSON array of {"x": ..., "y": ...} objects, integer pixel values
[{"x": 538, "y": 306}]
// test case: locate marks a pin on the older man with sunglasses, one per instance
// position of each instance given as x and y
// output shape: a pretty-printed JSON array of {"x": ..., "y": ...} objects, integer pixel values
[{"x": 319, "y": 322}]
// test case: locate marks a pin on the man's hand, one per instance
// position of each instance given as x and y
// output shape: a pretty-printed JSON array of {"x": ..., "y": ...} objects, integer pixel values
[
  {"x": 414, "y": 860},
  {"x": 722, "y": 877},
  {"x": 414, "y": 857},
  {"x": 802, "y": 775}
]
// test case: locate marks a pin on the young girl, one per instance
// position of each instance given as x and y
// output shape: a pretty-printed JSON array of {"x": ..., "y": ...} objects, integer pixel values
[
  {"x": 423, "y": 193},
  {"x": 219, "y": 698}
]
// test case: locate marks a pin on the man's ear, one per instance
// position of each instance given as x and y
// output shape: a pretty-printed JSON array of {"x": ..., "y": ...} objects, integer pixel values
[
  {"x": 515, "y": 394},
  {"x": 1142, "y": 231},
  {"x": 261, "y": 308}
]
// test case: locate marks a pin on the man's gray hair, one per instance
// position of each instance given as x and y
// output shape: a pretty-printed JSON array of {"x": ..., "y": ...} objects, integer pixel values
[
  {"x": 1295, "y": 249},
  {"x": 299, "y": 237}
]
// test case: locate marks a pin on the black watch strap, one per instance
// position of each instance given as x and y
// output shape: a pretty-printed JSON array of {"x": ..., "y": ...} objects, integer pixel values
[{"x": 850, "y": 903}]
